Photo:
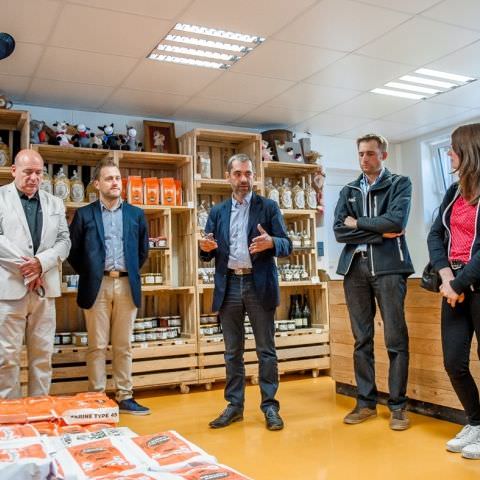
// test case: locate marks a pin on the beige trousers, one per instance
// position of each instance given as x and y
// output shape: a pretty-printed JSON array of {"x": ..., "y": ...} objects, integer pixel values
[
  {"x": 110, "y": 320},
  {"x": 31, "y": 317}
]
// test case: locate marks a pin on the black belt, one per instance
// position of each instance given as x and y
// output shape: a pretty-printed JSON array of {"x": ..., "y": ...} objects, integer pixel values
[
  {"x": 362, "y": 254},
  {"x": 239, "y": 271},
  {"x": 115, "y": 274}
]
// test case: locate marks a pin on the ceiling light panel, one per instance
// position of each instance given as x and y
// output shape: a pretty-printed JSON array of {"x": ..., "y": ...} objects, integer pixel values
[
  {"x": 223, "y": 47},
  {"x": 436, "y": 83}
]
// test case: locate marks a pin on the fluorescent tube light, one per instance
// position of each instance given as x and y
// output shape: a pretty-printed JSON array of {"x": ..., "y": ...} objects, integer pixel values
[
  {"x": 448, "y": 76},
  {"x": 413, "y": 88},
  {"x": 201, "y": 42},
  {"x": 396, "y": 93},
  {"x": 197, "y": 53},
  {"x": 213, "y": 32},
  {"x": 427, "y": 81},
  {"x": 187, "y": 61}
]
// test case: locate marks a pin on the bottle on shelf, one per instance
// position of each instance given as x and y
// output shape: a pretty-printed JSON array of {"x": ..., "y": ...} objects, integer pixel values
[
  {"x": 77, "y": 190},
  {"x": 297, "y": 312},
  {"x": 91, "y": 193},
  {"x": 272, "y": 191},
  {"x": 46, "y": 184},
  {"x": 286, "y": 195},
  {"x": 306, "y": 313},
  {"x": 61, "y": 186},
  {"x": 298, "y": 195},
  {"x": 310, "y": 195},
  {"x": 4, "y": 154}
]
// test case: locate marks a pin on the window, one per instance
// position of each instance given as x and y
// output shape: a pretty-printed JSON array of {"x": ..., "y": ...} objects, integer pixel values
[{"x": 442, "y": 165}]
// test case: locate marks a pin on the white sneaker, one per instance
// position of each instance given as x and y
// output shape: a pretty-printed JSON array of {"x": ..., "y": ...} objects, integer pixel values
[
  {"x": 469, "y": 434},
  {"x": 472, "y": 451}
]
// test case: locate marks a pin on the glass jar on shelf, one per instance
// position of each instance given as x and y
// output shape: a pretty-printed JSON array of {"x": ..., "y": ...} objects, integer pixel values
[
  {"x": 310, "y": 195},
  {"x": 272, "y": 191}
]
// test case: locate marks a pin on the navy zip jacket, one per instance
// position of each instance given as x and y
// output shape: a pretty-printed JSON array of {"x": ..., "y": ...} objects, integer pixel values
[
  {"x": 439, "y": 240},
  {"x": 384, "y": 209},
  {"x": 266, "y": 213}
]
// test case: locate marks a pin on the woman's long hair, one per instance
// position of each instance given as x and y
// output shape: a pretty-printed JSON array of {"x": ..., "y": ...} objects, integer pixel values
[{"x": 466, "y": 144}]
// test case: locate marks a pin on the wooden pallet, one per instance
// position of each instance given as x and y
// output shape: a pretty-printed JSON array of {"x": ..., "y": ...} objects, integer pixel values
[
  {"x": 300, "y": 350},
  {"x": 168, "y": 362}
]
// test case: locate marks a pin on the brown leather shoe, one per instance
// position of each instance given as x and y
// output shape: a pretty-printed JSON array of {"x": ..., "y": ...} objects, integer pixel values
[
  {"x": 359, "y": 415},
  {"x": 399, "y": 419}
]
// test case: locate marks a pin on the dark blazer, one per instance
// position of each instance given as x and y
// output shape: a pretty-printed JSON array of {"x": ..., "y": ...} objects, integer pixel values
[
  {"x": 384, "y": 209},
  {"x": 266, "y": 213},
  {"x": 87, "y": 255}
]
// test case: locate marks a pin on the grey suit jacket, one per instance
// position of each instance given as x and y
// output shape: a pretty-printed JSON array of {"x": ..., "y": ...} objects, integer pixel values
[{"x": 16, "y": 241}]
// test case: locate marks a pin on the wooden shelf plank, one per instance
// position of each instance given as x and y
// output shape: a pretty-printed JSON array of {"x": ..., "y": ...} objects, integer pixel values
[
  {"x": 282, "y": 168},
  {"x": 148, "y": 209},
  {"x": 219, "y": 184},
  {"x": 289, "y": 213}
]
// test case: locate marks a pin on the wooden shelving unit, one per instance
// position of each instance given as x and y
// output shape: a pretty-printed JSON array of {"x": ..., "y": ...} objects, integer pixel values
[
  {"x": 15, "y": 132},
  {"x": 305, "y": 349},
  {"x": 172, "y": 362}
]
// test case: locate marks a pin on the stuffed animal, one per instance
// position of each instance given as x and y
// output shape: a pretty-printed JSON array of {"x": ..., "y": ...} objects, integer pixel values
[
  {"x": 37, "y": 134},
  {"x": 266, "y": 151},
  {"x": 129, "y": 141},
  {"x": 158, "y": 141},
  {"x": 62, "y": 137},
  {"x": 82, "y": 137},
  {"x": 5, "y": 103},
  {"x": 109, "y": 139},
  {"x": 95, "y": 141}
]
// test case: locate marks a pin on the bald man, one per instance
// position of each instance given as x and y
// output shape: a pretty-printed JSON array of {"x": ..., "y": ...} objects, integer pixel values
[{"x": 34, "y": 241}]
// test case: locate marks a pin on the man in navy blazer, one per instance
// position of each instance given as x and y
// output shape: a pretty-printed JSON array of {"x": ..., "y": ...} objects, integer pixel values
[
  {"x": 244, "y": 234},
  {"x": 109, "y": 246}
]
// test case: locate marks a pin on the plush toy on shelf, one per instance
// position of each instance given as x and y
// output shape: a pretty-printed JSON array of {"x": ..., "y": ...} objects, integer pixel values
[
  {"x": 95, "y": 141},
  {"x": 37, "y": 132},
  {"x": 129, "y": 141},
  {"x": 109, "y": 138},
  {"x": 266, "y": 151},
  {"x": 62, "y": 138},
  {"x": 82, "y": 136}
]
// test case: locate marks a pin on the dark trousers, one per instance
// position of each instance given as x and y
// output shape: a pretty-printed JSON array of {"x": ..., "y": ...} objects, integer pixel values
[
  {"x": 458, "y": 325},
  {"x": 240, "y": 297},
  {"x": 361, "y": 290}
]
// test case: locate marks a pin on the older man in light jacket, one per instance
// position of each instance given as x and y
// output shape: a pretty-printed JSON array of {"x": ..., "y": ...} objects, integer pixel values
[{"x": 34, "y": 241}]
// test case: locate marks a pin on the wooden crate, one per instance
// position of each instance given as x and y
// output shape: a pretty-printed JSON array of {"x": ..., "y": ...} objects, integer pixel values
[
  {"x": 15, "y": 132},
  {"x": 306, "y": 349},
  {"x": 221, "y": 145},
  {"x": 172, "y": 362}
]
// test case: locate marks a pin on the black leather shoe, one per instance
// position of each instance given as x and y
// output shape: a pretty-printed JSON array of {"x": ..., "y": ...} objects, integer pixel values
[
  {"x": 273, "y": 419},
  {"x": 229, "y": 415}
]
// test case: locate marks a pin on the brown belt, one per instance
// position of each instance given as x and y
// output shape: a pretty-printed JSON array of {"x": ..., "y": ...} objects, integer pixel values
[
  {"x": 239, "y": 271},
  {"x": 115, "y": 274}
]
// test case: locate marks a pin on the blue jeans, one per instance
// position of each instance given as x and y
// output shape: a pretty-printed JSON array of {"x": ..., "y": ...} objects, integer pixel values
[
  {"x": 239, "y": 298},
  {"x": 361, "y": 289}
]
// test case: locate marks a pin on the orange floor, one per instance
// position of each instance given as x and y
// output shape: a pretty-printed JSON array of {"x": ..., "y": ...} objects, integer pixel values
[{"x": 315, "y": 445}]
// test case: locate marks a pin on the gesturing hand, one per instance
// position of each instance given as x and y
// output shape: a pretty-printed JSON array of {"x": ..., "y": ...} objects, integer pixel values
[
  {"x": 263, "y": 242},
  {"x": 208, "y": 243}
]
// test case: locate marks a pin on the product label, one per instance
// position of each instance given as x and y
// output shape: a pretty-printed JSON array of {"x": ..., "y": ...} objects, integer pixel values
[{"x": 77, "y": 192}]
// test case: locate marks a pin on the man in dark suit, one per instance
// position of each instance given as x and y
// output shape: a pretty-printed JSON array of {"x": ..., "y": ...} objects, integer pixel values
[
  {"x": 109, "y": 246},
  {"x": 244, "y": 234}
]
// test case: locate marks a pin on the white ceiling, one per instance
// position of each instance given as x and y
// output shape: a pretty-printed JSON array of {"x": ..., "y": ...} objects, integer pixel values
[{"x": 313, "y": 72}]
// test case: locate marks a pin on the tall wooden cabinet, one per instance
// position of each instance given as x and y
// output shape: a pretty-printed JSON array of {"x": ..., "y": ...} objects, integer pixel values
[{"x": 300, "y": 349}]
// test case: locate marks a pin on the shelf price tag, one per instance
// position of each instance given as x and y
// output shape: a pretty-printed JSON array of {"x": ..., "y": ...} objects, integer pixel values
[
  {"x": 315, "y": 280},
  {"x": 178, "y": 342},
  {"x": 283, "y": 334}
]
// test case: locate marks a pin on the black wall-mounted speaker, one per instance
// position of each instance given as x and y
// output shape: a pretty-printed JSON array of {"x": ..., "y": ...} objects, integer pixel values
[{"x": 7, "y": 45}]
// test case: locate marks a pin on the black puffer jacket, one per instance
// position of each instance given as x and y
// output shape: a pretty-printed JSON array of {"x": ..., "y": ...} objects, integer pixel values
[
  {"x": 384, "y": 209},
  {"x": 439, "y": 240}
]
